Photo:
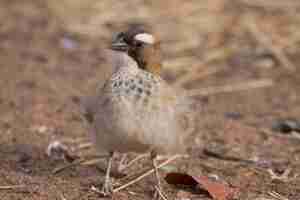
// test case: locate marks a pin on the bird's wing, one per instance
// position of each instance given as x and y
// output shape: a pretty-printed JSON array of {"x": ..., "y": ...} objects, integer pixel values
[{"x": 178, "y": 104}]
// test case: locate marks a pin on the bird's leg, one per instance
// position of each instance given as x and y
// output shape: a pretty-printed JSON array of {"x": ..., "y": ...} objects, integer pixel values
[
  {"x": 107, "y": 186},
  {"x": 153, "y": 157}
]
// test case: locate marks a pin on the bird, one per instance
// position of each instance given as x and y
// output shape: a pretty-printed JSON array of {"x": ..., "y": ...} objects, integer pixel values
[{"x": 136, "y": 110}]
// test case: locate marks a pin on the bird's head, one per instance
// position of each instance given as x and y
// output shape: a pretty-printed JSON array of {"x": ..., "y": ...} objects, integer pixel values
[{"x": 142, "y": 46}]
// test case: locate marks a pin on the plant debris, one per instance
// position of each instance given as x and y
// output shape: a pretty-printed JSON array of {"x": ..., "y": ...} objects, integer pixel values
[{"x": 216, "y": 189}]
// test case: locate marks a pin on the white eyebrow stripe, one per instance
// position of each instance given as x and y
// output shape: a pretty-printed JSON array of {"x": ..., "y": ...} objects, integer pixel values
[{"x": 145, "y": 37}]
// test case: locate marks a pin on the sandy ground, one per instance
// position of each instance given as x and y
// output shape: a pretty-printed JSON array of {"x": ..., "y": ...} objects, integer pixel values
[{"x": 47, "y": 62}]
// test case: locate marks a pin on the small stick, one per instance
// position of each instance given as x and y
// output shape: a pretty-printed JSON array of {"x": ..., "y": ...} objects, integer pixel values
[
  {"x": 230, "y": 88},
  {"x": 92, "y": 161},
  {"x": 74, "y": 163},
  {"x": 11, "y": 187},
  {"x": 85, "y": 145},
  {"x": 267, "y": 43},
  {"x": 146, "y": 174},
  {"x": 83, "y": 161},
  {"x": 160, "y": 193},
  {"x": 277, "y": 195}
]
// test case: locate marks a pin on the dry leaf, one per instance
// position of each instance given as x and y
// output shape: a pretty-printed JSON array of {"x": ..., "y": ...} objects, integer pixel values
[{"x": 216, "y": 189}]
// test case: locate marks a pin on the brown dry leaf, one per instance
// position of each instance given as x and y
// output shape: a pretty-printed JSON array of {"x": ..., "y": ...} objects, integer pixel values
[
  {"x": 217, "y": 190},
  {"x": 175, "y": 178}
]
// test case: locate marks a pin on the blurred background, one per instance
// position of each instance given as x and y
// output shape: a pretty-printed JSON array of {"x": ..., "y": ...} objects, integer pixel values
[{"x": 242, "y": 54}]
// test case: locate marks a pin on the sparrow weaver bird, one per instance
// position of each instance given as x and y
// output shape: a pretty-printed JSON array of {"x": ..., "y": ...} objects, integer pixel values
[{"x": 136, "y": 110}]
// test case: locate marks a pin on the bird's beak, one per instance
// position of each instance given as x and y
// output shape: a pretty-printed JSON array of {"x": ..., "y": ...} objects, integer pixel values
[{"x": 119, "y": 45}]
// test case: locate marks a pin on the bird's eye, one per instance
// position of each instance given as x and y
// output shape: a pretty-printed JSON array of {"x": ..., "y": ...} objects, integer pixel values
[{"x": 137, "y": 43}]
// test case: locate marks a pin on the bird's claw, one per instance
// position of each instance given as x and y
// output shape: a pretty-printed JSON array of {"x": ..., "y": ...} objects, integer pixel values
[{"x": 107, "y": 189}]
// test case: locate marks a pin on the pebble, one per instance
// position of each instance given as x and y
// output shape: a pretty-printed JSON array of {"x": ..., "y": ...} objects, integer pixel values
[{"x": 286, "y": 126}]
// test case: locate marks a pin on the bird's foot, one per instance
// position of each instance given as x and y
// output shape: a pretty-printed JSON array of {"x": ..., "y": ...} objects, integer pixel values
[{"x": 107, "y": 189}]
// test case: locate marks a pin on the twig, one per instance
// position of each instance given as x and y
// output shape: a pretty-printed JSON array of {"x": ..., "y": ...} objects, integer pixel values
[
  {"x": 267, "y": 43},
  {"x": 160, "y": 193},
  {"x": 207, "y": 152},
  {"x": 254, "y": 84},
  {"x": 85, "y": 145},
  {"x": 92, "y": 161},
  {"x": 277, "y": 195},
  {"x": 146, "y": 174},
  {"x": 11, "y": 187},
  {"x": 83, "y": 161},
  {"x": 74, "y": 163}
]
